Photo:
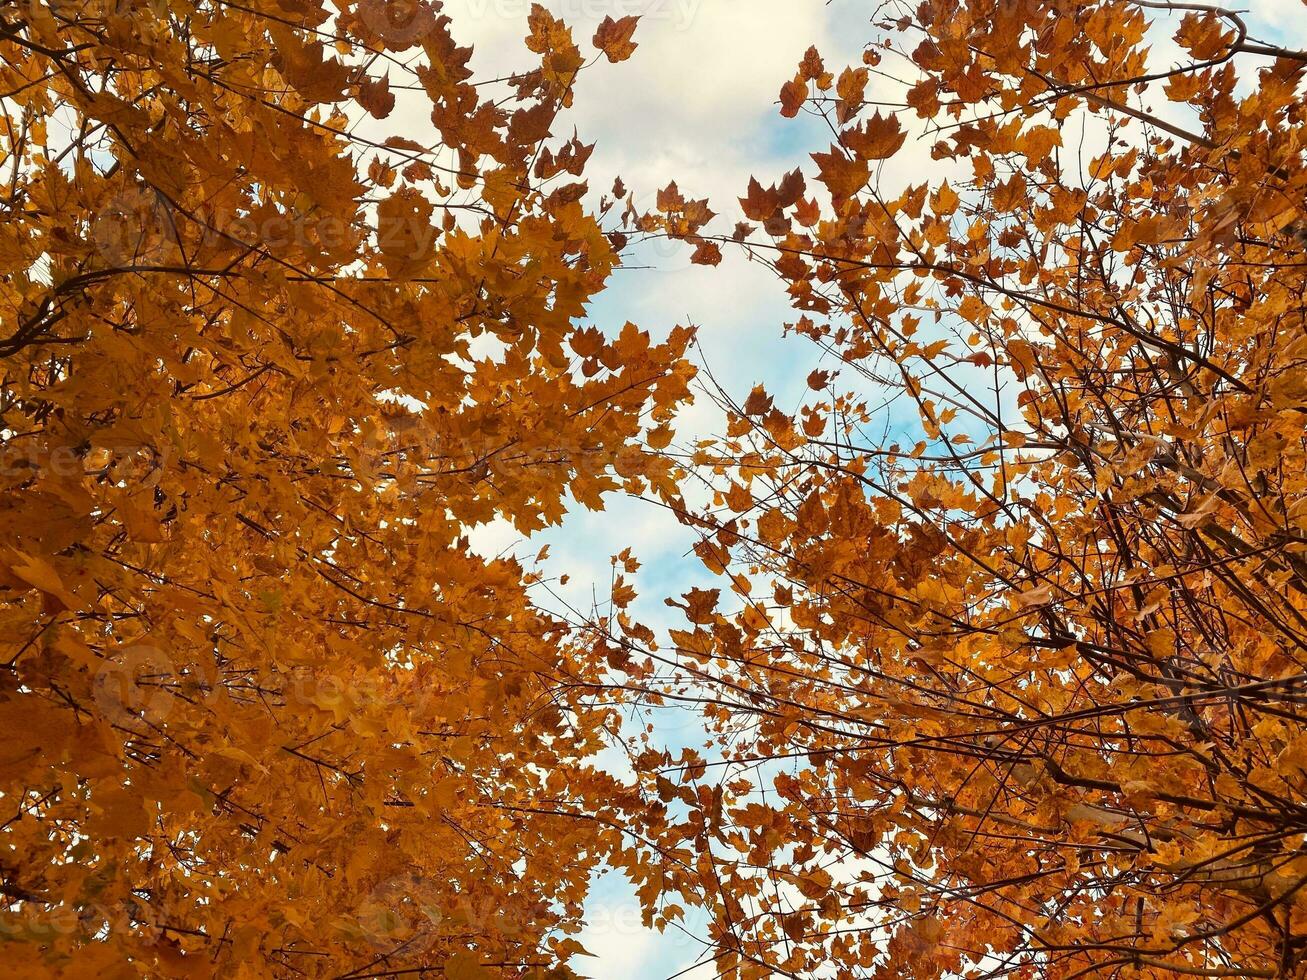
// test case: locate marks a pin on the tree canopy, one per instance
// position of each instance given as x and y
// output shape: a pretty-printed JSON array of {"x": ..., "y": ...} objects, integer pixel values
[
  {"x": 1024, "y": 666},
  {"x": 264, "y": 711},
  {"x": 1006, "y": 673}
]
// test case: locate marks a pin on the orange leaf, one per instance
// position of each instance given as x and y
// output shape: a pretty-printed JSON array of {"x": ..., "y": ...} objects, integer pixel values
[
  {"x": 614, "y": 38},
  {"x": 707, "y": 254}
]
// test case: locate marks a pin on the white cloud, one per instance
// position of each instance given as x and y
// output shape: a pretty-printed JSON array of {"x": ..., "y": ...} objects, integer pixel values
[
  {"x": 624, "y": 949},
  {"x": 688, "y": 105},
  {"x": 1271, "y": 19}
]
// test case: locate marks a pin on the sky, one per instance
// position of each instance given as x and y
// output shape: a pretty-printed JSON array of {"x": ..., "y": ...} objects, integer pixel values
[{"x": 695, "y": 104}]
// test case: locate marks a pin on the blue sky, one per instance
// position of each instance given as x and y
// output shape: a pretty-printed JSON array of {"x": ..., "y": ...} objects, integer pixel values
[{"x": 695, "y": 105}]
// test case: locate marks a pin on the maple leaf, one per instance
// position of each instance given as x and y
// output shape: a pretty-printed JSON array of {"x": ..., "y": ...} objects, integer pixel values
[
  {"x": 793, "y": 94},
  {"x": 1037, "y": 143},
  {"x": 670, "y": 198},
  {"x": 699, "y": 605},
  {"x": 613, "y": 38},
  {"x": 808, "y": 213},
  {"x": 760, "y": 204},
  {"x": 375, "y": 96},
  {"x": 844, "y": 176},
  {"x": 944, "y": 201},
  {"x": 405, "y": 234},
  {"x": 879, "y": 138},
  {"x": 758, "y": 402},
  {"x": 850, "y": 88},
  {"x": 811, "y": 67},
  {"x": 707, "y": 253}
]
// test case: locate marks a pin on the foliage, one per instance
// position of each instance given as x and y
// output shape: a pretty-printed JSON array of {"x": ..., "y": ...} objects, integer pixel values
[
  {"x": 266, "y": 358},
  {"x": 1018, "y": 698},
  {"x": 1024, "y": 698}
]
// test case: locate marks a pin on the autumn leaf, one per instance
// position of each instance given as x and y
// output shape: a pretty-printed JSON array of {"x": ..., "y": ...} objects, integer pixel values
[
  {"x": 879, "y": 138},
  {"x": 759, "y": 204},
  {"x": 811, "y": 67},
  {"x": 707, "y": 253},
  {"x": 375, "y": 96},
  {"x": 465, "y": 966},
  {"x": 944, "y": 201},
  {"x": 793, "y": 94},
  {"x": 614, "y": 38},
  {"x": 405, "y": 233},
  {"x": 758, "y": 402},
  {"x": 843, "y": 175},
  {"x": 700, "y": 604}
]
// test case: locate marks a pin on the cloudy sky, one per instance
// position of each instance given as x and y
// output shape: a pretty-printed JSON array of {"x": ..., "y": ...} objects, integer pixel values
[{"x": 696, "y": 104}]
